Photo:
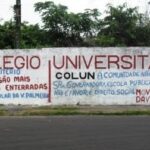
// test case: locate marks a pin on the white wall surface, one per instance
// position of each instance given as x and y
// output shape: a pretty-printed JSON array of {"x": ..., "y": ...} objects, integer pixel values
[{"x": 121, "y": 76}]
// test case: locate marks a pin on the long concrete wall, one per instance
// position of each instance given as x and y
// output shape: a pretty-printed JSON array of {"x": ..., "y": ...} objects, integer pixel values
[{"x": 75, "y": 76}]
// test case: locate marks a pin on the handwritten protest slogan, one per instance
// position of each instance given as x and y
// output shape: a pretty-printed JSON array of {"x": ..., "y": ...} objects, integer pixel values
[{"x": 70, "y": 76}]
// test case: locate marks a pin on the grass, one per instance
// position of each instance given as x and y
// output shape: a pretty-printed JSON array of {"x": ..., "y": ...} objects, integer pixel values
[{"x": 70, "y": 110}]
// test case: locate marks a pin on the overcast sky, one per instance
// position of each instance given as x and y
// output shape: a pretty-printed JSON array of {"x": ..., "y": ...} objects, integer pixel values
[{"x": 28, "y": 14}]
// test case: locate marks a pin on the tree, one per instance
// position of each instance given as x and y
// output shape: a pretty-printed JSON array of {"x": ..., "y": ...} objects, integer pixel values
[
  {"x": 32, "y": 36},
  {"x": 122, "y": 26},
  {"x": 7, "y": 35},
  {"x": 119, "y": 26},
  {"x": 143, "y": 30},
  {"x": 55, "y": 21},
  {"x": 67, "y": 29}
]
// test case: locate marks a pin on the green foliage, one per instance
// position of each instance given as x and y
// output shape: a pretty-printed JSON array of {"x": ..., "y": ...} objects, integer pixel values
[
  {"x": 143, "y": 31},
  {"x": 121, "y": 26},
  {"x": 67, "y": 29},
  {"x": 32, "y": 36},
  {"x": 124, "y": 26},
  {"x": 7, "y": 35}
]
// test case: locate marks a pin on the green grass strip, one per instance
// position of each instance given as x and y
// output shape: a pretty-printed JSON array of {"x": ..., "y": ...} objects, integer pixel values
[{"x": 50, "y": 111}]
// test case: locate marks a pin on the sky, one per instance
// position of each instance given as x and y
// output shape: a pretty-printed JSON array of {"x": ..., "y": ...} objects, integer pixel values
[{"x": 28, "y": 14}]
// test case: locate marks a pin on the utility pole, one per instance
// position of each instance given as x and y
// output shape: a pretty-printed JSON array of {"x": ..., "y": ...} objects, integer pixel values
[{"x": 17, "y": 11}]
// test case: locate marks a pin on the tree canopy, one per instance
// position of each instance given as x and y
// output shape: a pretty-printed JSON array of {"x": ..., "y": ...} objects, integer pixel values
[{"x": 120, "y": 26}]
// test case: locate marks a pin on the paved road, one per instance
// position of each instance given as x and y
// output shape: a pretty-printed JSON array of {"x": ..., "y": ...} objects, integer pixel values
[{"x": 75, "y": 133}]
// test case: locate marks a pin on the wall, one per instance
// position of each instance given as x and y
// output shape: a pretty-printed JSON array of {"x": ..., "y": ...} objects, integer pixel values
[{"x": 73, "y": 76}]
